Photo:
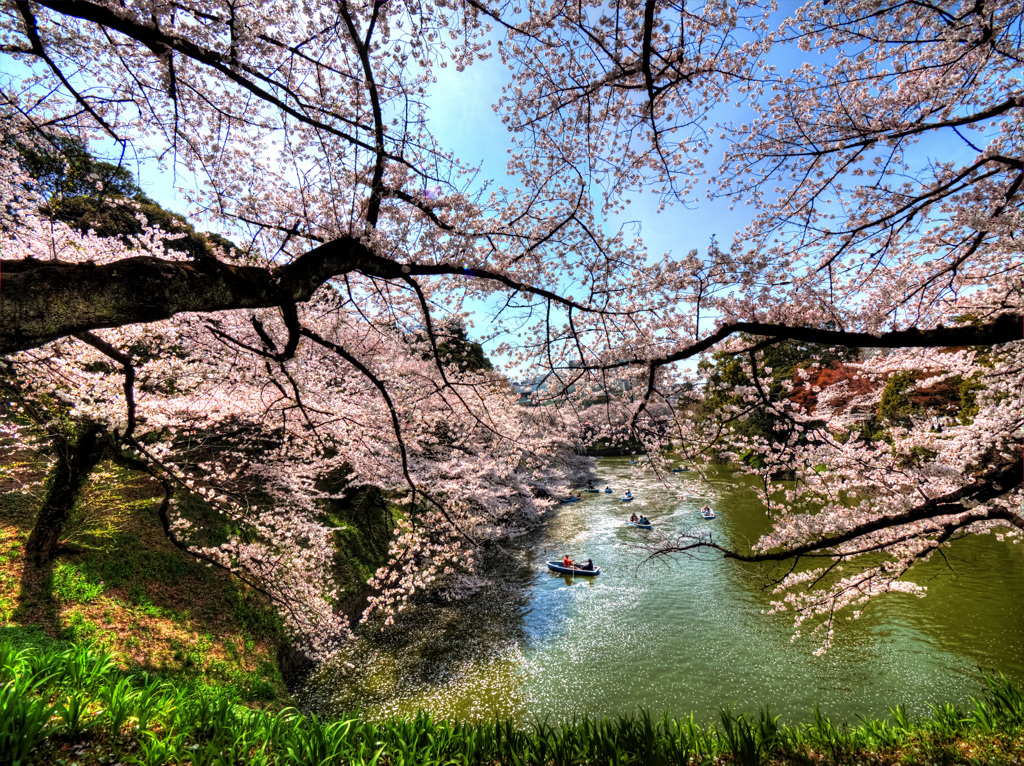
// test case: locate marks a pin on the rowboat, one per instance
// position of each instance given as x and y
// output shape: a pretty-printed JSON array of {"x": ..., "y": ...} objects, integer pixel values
[
  {"x": 637, "y": 524},
  {"x": 608, "y": 490},
  {"x": 707, "y": 513},
  {"x": 556, "y": 566},
  {"x": 593, "y": 490},
  {"x": 627, "y": 499}
]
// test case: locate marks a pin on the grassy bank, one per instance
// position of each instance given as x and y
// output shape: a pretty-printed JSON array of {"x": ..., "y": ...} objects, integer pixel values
[
  {"x": 77, "y": 706},
  {"x": 119, "y": 584}
]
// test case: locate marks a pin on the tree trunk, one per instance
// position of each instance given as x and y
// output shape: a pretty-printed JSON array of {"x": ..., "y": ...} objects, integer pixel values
[{"x": 78, "y": 453}]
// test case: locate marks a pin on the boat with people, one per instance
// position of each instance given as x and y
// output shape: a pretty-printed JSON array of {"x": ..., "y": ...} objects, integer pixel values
[
  {"x": 589, "y": 489},
  {"x": 607, "y": 490},
  {"x": 638, "y": 520},
  {"x": 707, "y": 513},
  {"x": 627, "y": 498},
  {"x": 556, "y": 566}
]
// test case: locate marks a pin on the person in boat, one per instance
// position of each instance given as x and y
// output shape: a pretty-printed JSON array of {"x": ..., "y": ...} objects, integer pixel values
[
  {"x": 643, "y": 520},
  {"x": 588, "y": 567},
  {"x": 705, "y": 509},
  {"x": 568, "y": 562},
  {"x": 579, "y": 495},
  {"x": 628, "y": 493},
  {"x": 633, "y": 518}
]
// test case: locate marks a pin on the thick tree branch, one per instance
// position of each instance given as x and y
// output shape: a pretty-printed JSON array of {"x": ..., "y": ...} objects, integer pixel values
[
  {"x": 645, "y": 63},
  {"x": 1005, "y": 328},
  {"x": 45, "y": 300}
]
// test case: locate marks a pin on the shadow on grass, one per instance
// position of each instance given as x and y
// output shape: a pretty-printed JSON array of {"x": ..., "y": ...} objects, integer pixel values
[{"x": 118, "y": 584}]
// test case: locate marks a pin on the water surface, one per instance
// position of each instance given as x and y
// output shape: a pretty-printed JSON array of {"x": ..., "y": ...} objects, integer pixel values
[{"x": 680, "y": 633}]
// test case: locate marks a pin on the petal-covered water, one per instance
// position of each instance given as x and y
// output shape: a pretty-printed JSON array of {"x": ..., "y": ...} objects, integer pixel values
[{"x": 677, "y": 634}]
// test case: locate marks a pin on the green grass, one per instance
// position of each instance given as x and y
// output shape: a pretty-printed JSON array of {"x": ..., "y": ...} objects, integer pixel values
[
  {"x": 64, "y": 704},
  {"x": 123, "y": 588},
  {"x": 71, "y": 586}
]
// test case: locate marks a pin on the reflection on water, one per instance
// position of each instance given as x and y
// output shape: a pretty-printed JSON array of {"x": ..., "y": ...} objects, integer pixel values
[{"x": 676, "y": 634}]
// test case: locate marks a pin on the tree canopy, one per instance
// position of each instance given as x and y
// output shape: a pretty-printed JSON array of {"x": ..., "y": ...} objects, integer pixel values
[{"x": 883, "y": 173}]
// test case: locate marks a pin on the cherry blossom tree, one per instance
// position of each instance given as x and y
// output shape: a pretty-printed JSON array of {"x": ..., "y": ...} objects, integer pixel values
[
  {"x": 268, "y": 425},
  {"x": 859, "y": 238},
  {"x": 359, "y": 234},
  {"x": 303, "y": 131},
  {"x": 220, "y": 408}
]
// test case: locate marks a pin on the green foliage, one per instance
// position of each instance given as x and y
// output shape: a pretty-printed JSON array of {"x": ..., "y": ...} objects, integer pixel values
[
  {"x": 80, "y": 629},
  {"x": 17, "y": 506},
  {"x": 256, "y": 619},
  {"x": 63, "y": 167},
  {"x": 24, "y": 715},
  {"x": 168, "y": 567},
  {"x": 31, "y": 638},
  {"x": 363, "y": 523},
  {"x": 90, "y": 194},
  {"x": 968, "y": 389},
  {"x": 896, "y": 407},
  {"x": 112, "y": 216},
  {"x": 455, "y": 348},
  {"x": 918, "y": 456},
  {"x": 871, "y": 430},
  {"x": 72, "y": 586},
  {"x": 48, "y": 697},
  {"x": 725, "y": 374}
]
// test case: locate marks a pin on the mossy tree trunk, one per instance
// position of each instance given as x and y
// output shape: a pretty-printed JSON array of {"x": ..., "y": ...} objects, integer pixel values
[{"x": 78, "y": 451}]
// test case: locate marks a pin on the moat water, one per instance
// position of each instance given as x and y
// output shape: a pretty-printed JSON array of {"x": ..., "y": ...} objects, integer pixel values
[{"x": 678, "y": 634}]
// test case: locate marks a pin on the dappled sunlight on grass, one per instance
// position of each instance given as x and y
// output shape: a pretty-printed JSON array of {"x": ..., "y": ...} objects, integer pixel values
[{"x": 119, "y": 585}]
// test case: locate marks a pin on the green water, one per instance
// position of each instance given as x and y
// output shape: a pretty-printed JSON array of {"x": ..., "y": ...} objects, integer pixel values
[{"x": 678, "y": 634}]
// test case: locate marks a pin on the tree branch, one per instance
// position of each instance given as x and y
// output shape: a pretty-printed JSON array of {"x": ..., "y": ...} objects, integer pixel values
[
  {"x": 1006, "y": 328},
  {"x": 129, "y": 375},
  {"x": 45, "y": 300},
  {"x": 992, "y": 484}
]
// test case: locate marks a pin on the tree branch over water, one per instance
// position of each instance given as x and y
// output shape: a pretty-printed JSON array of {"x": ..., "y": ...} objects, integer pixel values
[{"x": 991, "y": 485}]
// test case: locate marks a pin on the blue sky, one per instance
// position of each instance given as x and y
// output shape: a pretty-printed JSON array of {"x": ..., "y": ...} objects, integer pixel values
[{"x": 462, "y": 118}]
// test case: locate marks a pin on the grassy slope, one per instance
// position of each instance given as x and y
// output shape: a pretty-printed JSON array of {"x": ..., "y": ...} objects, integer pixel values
[{"x": 127, "y": 590}]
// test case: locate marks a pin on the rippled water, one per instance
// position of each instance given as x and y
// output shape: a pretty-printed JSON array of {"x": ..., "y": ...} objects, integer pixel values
[{"x": 677, "y": 634}]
